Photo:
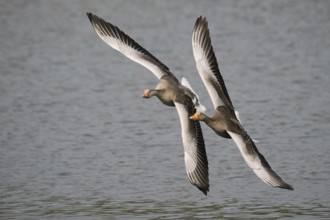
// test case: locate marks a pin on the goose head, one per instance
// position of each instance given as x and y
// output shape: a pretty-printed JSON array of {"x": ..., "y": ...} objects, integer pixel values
[{"x": 147, "y": 93}]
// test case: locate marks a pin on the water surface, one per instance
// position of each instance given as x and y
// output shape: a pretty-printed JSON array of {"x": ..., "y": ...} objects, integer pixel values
[{"x": 78, "y": 142}]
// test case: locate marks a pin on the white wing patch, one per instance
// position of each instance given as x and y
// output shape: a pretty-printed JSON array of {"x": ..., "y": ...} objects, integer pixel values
[
  {"x": 251, "y": 160},
  {"x": 198, "y": 105},
  {"x": 190, "y": 162},
  {"x": 254, "y": 161},
  {"x": 194, "y": 152},
  {"x": 189, "y": 143},
  {"x": 122, "y": 45},
  {"x": 266, "y": 174},
  {"x": 207, "y": 75}
]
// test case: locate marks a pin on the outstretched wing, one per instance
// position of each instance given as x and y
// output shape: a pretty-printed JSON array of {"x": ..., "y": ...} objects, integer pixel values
[
  {"x": 256, "y": 160},
  {"x": 207, "y": 64},
  {"x": 120, "y": 41},
  {"x": 195, "y": 98},
  {"x": 194, "y": 149}
]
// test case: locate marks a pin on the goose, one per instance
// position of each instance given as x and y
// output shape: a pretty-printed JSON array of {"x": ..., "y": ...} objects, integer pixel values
[
  {"x": 224, "y": 121},
  {"x": 170, "y": 92}
]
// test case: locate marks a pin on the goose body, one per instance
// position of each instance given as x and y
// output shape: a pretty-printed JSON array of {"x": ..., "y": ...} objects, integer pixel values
[
  {"x": 170, "y": 92},
  {"x": 224, "y": 121}
]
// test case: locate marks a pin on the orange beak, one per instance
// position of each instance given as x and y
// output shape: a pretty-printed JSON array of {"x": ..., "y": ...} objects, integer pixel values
[{"x": 194, "y": 117}]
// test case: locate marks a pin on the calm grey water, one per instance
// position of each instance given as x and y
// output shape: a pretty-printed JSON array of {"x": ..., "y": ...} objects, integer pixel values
[{"x": 78, "y": 142}]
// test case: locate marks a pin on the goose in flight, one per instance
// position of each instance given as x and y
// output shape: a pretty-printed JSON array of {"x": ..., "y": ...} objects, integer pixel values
[
  {"x": 224, "y": 121},
  {"x": 170, "y": 92}
]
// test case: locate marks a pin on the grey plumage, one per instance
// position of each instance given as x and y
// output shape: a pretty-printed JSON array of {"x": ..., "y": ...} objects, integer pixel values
[
  {"x": 170, "y": 92},
  {"x": 224, "y": 120}
]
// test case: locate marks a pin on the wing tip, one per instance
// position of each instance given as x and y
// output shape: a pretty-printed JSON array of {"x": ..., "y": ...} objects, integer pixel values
[
  {"x": 286, "y": 186},
  {"x": 278, "y": 182},
  {"x": 204, "y": 190},
  {"x": 201, "y": 19},
  {"x": 90, "y": 16},
  {"x": 201, "y": 184},
  {"x": 200, "y": 23}
]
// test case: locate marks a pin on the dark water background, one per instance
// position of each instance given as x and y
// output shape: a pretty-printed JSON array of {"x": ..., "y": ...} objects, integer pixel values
[{"x": 78, "y": 142}]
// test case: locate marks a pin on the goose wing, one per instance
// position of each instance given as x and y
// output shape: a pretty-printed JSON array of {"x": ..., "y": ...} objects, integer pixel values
[
  {"x": 207, "y": 64},
  {"x": 256, "y": 160},
  {"x": 195, "y": 98},
  {"x": 194, "y": 149},
  {"x": 120, "y": 41}
]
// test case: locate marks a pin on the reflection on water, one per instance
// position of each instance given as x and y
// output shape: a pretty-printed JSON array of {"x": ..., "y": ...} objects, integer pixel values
[{"x": 78, "y": 142}]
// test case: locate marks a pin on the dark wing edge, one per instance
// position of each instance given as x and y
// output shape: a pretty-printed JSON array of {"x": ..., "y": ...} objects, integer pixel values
[
  {"x": 201, "y": 34},
  {"x": 196, "y": 162},
  {"x": 104, "y": 29},
  {"x": 202, "y": 166},
  {"x": 257, "y": 161}
]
